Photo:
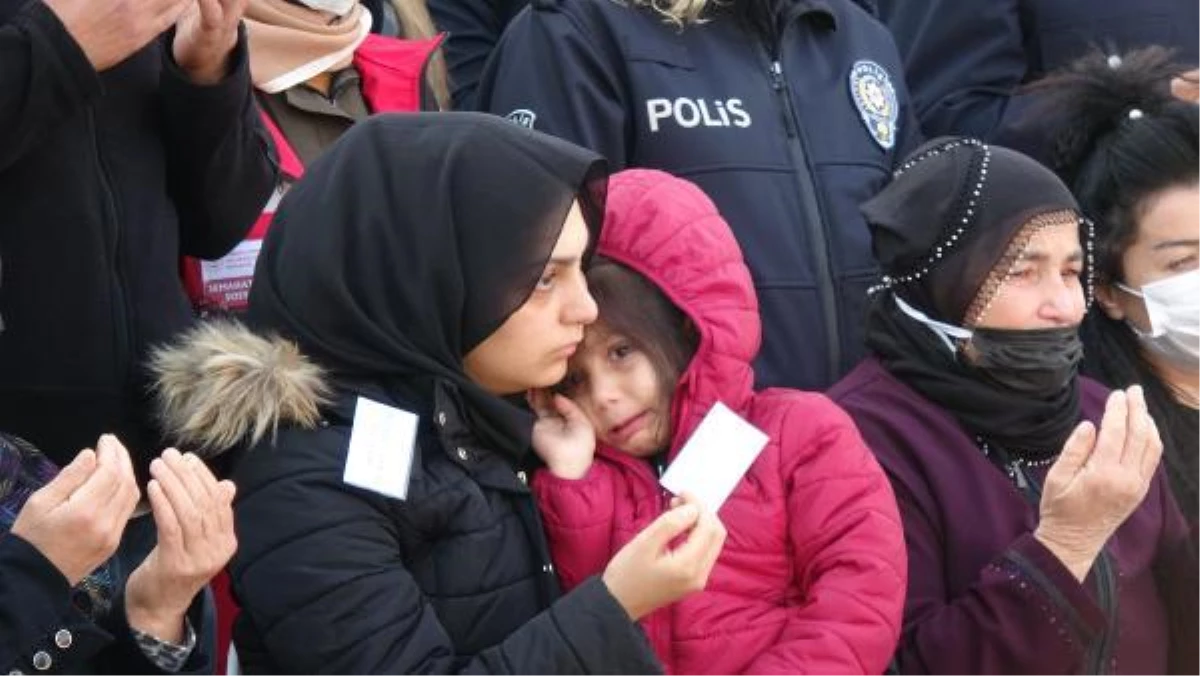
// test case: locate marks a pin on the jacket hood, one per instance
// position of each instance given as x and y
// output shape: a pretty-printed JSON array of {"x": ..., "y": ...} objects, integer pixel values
[
  {"x": 221, "y": 385},
  {"x": 666, "y": 229}
]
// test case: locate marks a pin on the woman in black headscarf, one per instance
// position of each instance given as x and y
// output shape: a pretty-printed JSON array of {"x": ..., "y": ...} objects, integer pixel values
[
  {"x": 1041, "y": 536},
  {"x": 428, "y": 265}
]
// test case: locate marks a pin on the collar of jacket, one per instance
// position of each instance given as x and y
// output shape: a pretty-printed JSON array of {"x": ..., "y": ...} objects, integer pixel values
[
  {"x": 496, "y": 467},
  {"x": 818, "y": 11}
]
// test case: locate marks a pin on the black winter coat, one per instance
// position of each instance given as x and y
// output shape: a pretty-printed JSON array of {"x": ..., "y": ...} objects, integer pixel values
[
  {"x": 105, "y": 180},
  {"x": 454, "y": 579}
]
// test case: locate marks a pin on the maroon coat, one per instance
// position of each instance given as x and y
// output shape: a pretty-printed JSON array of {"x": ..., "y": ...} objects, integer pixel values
[{"x": 983, "y": 595}]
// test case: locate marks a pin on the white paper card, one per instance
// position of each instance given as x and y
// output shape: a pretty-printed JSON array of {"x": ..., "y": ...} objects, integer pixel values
[
  {"x": 715, "y": 458},
  {"x": 381, "y": 448}
]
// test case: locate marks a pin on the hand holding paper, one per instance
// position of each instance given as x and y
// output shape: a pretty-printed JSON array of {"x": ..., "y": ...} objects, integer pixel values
[{"x": 647, "y": 573}]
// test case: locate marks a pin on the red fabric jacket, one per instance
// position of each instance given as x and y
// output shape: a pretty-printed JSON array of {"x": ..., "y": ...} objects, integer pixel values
[
  {"x": 813, "y": 572},
  {"x": 392, "y": 72}
]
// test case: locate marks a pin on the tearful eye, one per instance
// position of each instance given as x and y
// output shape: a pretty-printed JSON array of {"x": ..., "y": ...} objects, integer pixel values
[{"x": 621, "y": 351}]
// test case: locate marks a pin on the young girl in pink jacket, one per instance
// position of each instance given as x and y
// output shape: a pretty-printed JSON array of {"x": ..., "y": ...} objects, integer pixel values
[{"x": 812, "y": 575}]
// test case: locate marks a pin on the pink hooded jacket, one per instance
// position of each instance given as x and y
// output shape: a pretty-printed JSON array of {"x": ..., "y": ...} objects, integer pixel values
[{"x": 812, "y": 575}]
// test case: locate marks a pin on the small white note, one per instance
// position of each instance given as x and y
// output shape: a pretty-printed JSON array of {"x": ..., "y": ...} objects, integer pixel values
[
  {"x": 381, "y": 449},
  {"x": 715, "y": 458}
]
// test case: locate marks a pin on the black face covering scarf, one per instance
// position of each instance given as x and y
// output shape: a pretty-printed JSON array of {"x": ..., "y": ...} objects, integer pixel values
[
  {"x": 1026, "y": 425},
  {"x": 938, "y": 230},
  {"x": 411, "y": 241},
  {"x": 1032, "y": 362}
]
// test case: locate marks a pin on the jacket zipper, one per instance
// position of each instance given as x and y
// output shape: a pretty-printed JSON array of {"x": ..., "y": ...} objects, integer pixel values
[
  {"x": 813, "y": 220},
  {"x": 662, "y": 624},
  {"x": 1101, "y": 655},
  {"x": 121, "y": 326}
]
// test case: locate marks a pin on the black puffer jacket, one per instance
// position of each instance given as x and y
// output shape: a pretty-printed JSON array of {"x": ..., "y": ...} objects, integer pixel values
[{"x": 335, "y": 579}]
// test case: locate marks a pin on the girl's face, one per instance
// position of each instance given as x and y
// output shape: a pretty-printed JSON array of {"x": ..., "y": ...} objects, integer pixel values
[
  {"x": 1166, "y": 245},
  {"x": 615, "y": 384}
]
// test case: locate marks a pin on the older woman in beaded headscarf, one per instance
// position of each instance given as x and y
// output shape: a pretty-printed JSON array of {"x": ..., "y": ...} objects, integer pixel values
[{"x": 1026, "y": 490}]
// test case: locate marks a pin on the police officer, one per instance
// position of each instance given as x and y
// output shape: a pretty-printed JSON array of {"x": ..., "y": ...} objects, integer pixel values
[
  {"x": 965, "y": 59},
  {"x": 788, "y": 113}
]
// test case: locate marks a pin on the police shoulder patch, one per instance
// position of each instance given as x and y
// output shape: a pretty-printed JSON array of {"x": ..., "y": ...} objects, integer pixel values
[
  {"x": 873, "y": 94},
  {"x": 522, "y": 117}
]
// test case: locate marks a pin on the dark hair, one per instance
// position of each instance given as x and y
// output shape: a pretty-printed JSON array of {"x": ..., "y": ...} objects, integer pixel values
[
  {"x": 632, "y": 306},
  {"x": 1124, "y": 140}
]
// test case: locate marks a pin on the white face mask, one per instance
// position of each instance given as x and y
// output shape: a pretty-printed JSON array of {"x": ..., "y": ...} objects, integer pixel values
[
  {"x": 336, "y": 7},
  {"x": 1173, "y": 305}
]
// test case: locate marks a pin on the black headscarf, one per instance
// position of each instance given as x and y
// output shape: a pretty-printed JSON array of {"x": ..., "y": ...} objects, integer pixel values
[
  {"x": 412, "y": 240},
  {"x": 938, "y": 231}
]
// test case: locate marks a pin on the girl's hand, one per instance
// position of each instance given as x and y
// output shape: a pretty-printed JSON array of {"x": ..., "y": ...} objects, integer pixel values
[{"x": 563, "y": 437}]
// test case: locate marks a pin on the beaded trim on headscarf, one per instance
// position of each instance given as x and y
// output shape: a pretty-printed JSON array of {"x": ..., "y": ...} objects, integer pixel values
[
  {"x": 990, "y": 289},
  {"x": 955, "y": 227}
]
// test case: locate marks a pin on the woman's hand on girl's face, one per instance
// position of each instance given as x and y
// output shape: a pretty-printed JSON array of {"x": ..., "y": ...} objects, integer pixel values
[
  {"x": 563, "y": 436},
  {"x": 1099, "y": 480}
]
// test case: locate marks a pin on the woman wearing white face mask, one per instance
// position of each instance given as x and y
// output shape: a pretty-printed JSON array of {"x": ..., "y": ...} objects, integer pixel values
[
  {"x": 1130, "y": 155},
  {"x": 1042, "y": 539}
]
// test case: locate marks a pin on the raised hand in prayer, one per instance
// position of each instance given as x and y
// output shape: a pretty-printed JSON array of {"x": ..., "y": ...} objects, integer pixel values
[
  {"x": 77, "y": 519},
  {"x": 205, "y": 37},
  {"x": 109, "y": 32},
  {"x": 1099, "y": 480},
  {"x": 194, "y": 515}
]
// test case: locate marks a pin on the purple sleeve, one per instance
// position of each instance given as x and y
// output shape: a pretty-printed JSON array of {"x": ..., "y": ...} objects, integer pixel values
[{"x": 1025, "y": 613}]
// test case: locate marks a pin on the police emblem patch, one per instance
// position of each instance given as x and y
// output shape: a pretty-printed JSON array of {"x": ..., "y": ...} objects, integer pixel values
[
  {"x": 522, "y": 117},
  {"x": 875, "y": 97}
]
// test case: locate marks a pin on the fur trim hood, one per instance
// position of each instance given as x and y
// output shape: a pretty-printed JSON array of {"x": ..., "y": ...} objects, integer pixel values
[{"x": 221, "y": 385}]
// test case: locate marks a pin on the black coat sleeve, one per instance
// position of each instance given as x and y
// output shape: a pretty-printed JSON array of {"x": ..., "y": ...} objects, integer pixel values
[
  {"x": 45, "y": 79},
  {"x": 963, "y": 59},
  {"x": 474, "y": 28},
  {"x": 552, "y": 73},
  {"x": 220, "y": 163},
  {"x": 321, "y": 578},
  {"x": 35, "y": 602},
  {"x": 36, "y": 615}
]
